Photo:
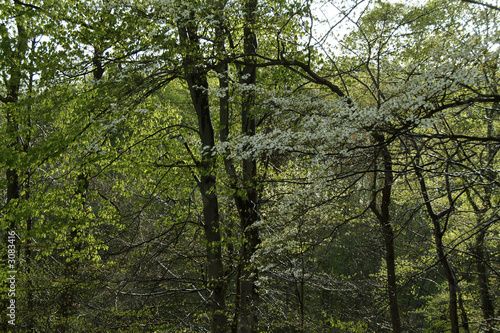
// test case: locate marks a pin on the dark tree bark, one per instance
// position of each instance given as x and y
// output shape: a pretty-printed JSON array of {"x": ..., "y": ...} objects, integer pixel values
[
  {"x": 197, "y": 82},
  {"x": 245, "y": 317},
  {"x": 439, "y": 232},
  {"x": 383, "y": 215},
  {"x": 248, "y": 206}
]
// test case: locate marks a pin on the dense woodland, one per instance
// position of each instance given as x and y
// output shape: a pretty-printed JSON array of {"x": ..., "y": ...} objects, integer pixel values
[{"x": 250, "y": 165}]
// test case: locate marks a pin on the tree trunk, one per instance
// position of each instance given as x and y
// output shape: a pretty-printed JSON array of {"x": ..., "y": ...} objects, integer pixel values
[
  {"x": 198, "y": 84},
  {"x": 248, "y": 206},
  {"x": 207, "y": 186},
  {"x": 463, "y": 314},
  {"x": 482, "y": 276},
  {"x": 450, "y": 277},
  {"x": 384, "y": 218},
  {"x": 438, "y": 242},
  {"x": 390, "y": 260}
]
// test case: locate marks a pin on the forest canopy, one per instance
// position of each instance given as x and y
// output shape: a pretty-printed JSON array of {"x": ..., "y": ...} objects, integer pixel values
[{"x": 249, "y": 166}]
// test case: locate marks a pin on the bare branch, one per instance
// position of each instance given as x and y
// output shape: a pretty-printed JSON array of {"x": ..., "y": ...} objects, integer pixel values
[
  {"x": 482, "y": 4},
  {"x": 27, "y": 5}
]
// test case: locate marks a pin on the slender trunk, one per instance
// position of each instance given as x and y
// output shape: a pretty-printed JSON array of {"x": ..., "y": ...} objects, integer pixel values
[
  {"x": 249, "y": 293},
  {"x": 198, "y": 84},
  {"x": 450, "y": 277},
  {"x": 482, "y": 275},
  {"x": 384, "y": 218},
  {"x": 249, "y": 205},
  {"x": 302, "y": 303},
  {"x": 390, "y": 260},
  {"x": 214, "y": 256},
  {"x": 230, "y": 170},
  {"x": 463, "y": 314},
  {"x": 440, "y": 248},
  {"x": 207, "y": 185},
  {"x": 237, "y": 302}
]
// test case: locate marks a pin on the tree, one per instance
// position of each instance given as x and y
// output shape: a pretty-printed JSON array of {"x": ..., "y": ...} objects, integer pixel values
[{"x": 216, "y": 166}]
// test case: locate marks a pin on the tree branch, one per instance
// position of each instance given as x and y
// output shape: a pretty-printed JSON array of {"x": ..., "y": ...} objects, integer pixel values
[
  {"x": 27, "y": 5},
  {"x": 315, "y": 77},
  {"x": 482, "y": 4}
]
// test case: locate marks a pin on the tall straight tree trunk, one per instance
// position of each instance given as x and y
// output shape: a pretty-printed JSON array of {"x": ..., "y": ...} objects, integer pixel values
[
  {"x": 197, "y": 82},
  {"x": 207, "y": 185},
  {"x": 248, "y": 206},
  {"x": 222, "y": 70},
  {"x": 384, "y": 218}
]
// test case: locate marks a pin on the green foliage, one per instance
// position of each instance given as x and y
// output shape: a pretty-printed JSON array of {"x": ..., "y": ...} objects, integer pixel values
[{"x": 105, "y": 177}]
